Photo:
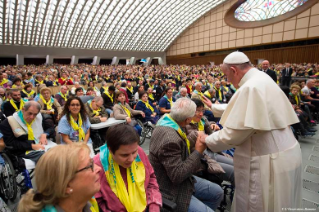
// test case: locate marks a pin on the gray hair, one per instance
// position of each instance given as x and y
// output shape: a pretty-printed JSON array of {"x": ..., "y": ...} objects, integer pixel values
[
  {"x": 182, "y": 88},
  {"x": 103, "y": 83},
  {"x": 28, "y": 104},
  {"x": 309, "y": 80},
  {"x": 197, "y": 83},
  {"x": 97, "y": 99},
  {"x": 182, "y": 109}
]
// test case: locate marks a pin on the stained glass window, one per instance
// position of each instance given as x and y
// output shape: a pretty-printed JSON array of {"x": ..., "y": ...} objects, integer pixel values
[{"x": 258, "y": 10}]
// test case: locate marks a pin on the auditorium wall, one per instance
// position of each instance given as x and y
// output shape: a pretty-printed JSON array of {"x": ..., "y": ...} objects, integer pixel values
[{"x": 211, "y": 34}]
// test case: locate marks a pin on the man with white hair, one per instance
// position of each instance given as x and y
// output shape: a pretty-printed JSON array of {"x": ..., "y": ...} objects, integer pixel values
[
  {"x": 24, "y": 133},
  {"x": 175, "y": 165},
  {"x": 257, "y": 122},
  {"x": 182, "y": 93}
]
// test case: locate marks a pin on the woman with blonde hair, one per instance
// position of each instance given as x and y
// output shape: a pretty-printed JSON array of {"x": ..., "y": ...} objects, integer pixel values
[{"x": 66, "y": 180}]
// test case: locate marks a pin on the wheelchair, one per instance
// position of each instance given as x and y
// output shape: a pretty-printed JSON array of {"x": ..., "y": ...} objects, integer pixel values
[
  {"x": 11, "y": 168},
  {"x": 147, "y": 129},
  {"x": 8, "y": 183}
]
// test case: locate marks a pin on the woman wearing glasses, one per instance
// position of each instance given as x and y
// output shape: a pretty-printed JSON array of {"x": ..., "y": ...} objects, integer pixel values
[
  {"x": 66, "y": 181},
  {"x": 74, "y": 125},
  {"x": 128, "y": 181}
]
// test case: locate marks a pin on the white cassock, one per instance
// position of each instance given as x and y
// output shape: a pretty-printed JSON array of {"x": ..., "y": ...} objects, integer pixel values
[{"x": 267, "y": 158}]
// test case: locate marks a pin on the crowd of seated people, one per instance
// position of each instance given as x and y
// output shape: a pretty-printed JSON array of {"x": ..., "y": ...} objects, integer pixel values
[{"x": 169, "y": 98}]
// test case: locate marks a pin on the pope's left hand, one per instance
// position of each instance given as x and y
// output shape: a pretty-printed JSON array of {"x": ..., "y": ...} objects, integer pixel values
[{"x": 43, "y": 139}]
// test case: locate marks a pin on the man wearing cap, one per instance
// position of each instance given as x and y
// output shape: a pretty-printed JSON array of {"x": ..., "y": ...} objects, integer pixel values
[{"x": 257, "y": 123}]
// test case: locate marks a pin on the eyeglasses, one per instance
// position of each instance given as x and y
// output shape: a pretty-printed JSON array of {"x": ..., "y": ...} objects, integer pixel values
[
  {"x": 91, "y": 166},
  {"x": 199, "y": 111},
  {"x": 75, "y": 105}
]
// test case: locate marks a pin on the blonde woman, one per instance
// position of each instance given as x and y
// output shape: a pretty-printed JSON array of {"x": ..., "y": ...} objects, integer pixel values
[{"x": 66, "y": 181}]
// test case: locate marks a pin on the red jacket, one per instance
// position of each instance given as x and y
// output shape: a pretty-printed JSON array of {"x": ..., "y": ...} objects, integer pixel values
[{"x": 65, "y": 82}]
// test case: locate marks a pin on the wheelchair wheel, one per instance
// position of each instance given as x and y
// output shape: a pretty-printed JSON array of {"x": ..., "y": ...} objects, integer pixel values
[
  {"x": 143, "y": 133},
  {"x": 8, "y": 184}
]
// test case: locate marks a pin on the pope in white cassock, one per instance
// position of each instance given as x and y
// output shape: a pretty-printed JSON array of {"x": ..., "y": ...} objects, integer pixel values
[{"x": 257, "y": 123}]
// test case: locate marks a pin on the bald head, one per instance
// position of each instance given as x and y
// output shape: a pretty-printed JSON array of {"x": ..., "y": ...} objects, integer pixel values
[{"x": 265, "y": 64}]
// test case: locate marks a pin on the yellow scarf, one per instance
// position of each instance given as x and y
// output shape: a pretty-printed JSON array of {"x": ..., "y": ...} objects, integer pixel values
[
  {"x": 78, "y": 127},
  {"x": 63, "y": 79},
  {"x": 15, "y": 106},
  {"x": 151, "y": 96},
  {"x": 94, "y": 206},
  {"x": 170, "y": 101},
  {"x": 14, "y": 86},
  {"x": 297, "y": 100},
  {"x": 191, "y": 89},
  {"x": 107, "y": 93},
  {"x": 40, "y": 82},
  {"x": 134, "y": 196},
  {"x": 55, "y": 83},
  {"x": 148, "y": 106},
  {"x": 226, "y": 88},
  {"x": 4, "y": 81},
  {"x": 28, "y": 94},
  {"x": 96, "y": 112},
  {"x": 47, "y": 103},
  {"x": 150, "y": 86},
  {"x": 208, "y": 94},
  {"x": 219, "y": 93},
  {"x": 127, "y": 111},
  {"x": 130, "y": 89},
  {"x": 200, "y": 125},
  {"x": 63, "y": 96}
]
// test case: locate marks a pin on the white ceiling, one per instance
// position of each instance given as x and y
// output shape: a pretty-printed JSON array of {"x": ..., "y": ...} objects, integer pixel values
[{"x": 119, "y": 25}]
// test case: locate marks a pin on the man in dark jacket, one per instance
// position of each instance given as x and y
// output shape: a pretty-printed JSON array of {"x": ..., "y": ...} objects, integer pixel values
[
  {"x": 175, "y": 166},
  {"x": 265, "y": 68}
]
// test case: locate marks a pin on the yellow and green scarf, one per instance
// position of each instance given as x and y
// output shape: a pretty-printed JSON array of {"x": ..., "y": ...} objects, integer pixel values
[
  {"x": 167, "y": 121},
  {"x": 169, "y": 100},
  {"x": 151, "y": 96},
  {"x": 133, "y": 198},
  {"x": 94, "y": 207},
  {"x": 219, "y": 93},
  {"x": 200, "y": 125}
]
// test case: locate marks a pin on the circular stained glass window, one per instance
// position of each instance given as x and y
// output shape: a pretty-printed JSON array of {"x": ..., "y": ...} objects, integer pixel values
[
  {"x": 256, "y": 13},
  {"x": 253, "y": 10}
]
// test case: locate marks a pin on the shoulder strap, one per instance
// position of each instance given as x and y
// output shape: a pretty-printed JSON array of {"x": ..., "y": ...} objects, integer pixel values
[{"x": 16, "y": 127}]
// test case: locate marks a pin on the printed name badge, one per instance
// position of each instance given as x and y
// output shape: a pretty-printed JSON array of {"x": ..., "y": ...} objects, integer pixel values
[{"x": 75, "y": 134}]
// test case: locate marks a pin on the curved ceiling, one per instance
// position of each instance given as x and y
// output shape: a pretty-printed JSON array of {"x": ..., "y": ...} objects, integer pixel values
[{"x": 131, "y": 25}]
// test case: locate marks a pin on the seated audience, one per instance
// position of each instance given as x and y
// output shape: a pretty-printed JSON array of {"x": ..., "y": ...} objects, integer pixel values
[
  {"x": 61, "y": 97},
  {"x": 96, "y": 111},
  {"x": 39, "y": 80},
  {"x": 151, "y": 96},
  {"x": 130, "y": 91},
  {"x": 50, "y": 108},
  {"x": 27, "y": 92},
  {"x": 74, "y": 126},
  {"x": 220, "y": 96},
  {"x": 4, "y": 82},
  {"x": 175, "y": 165},
  {"x": 182, "y": 93},
  {"x": 211, "y": 94},
  {"x": 118, "y": 191},
  {"x": 166, "y": 102},
  {"x": 123, "y": 111},
  {"x": 160, "y": 90},
  {"x": 139, "y": 90},
  {"x": 95, "y": 89},
  {"x": 79, "y": 92},
  {"x": 65, "y": 80},
  {"x": 23, "y": 132},
  {"x": 17, "y": 83},
  {"x": 108, "y": 99},
  {"x": 224, "y": 170},
  {"x": 151, "y": 112},
  {"x": 14, "y": 104},
  {"x": 66, "y": 180},
  {"x": 51, "y": 81}
]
